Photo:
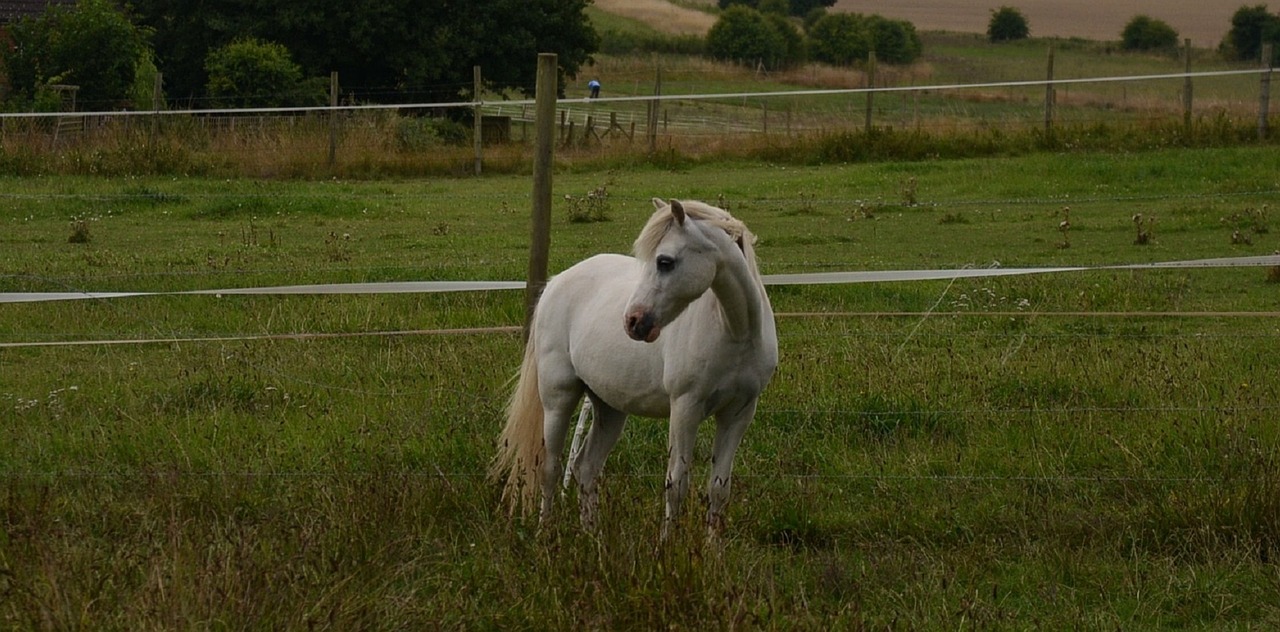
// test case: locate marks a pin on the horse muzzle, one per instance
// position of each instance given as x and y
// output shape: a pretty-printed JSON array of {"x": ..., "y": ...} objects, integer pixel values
[{"x": 640, "y": 325}]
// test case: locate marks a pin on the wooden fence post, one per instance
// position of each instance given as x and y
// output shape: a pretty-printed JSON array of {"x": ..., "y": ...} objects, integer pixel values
[
  {"x": 333, "y": 119},
  {"x": 653, "y": 110},
  {"x": 157, "y": 103},
  {"x": 478, "y": 124},
  {"x": 1049, "y": 95},
  {"x": 540, "y": 241},
  {"x": 1264, "y": 96},
  {"x": 1186, "y": 87},
  {"x": 871, "y": 84}
]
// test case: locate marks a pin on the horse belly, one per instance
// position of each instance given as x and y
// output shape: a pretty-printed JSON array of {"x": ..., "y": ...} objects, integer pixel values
[{"x": 626, "y": 375}]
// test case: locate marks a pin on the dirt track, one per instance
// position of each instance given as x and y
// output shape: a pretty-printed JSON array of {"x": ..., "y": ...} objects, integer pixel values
[{"x": 1204, "y": 21}]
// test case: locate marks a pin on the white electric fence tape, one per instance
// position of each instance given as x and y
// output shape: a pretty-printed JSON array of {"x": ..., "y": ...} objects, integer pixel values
[
  {"x": 819, "y": 278},
  {"x": 813, "y": 278}
]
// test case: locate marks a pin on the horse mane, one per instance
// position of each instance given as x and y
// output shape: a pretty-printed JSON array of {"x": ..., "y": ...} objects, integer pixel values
[{"x": 660, "y": 222}]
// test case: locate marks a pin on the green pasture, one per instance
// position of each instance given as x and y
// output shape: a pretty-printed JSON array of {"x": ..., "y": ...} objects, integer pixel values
[{"x": 1092, "y": 449}]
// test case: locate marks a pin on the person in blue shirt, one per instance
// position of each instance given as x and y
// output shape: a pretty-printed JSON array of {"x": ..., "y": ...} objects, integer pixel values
[{"x": 594, "y": 86}]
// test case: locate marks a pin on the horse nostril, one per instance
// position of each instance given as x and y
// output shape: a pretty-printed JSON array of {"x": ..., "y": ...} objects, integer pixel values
[{"x": 638, "y": 325}]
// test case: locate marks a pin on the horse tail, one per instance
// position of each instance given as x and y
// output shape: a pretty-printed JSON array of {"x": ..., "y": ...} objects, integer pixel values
[{"x": 521, "y": 450}]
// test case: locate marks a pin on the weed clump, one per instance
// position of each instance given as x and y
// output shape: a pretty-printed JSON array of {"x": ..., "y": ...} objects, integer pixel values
[
  {"x": 592, "y": 207},
  {"x": 1143, "y": 226},
  {"x": 1246, "y": 222},
  {"x": 337, "y": 248},
  {"x": 1064, "y": 227},
  {"x": 79, "y": 231}
]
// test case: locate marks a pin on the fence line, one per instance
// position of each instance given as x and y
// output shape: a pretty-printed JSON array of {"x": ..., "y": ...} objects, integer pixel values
[
  {"x": 764, "y": 199},
  {"x": 574, "y": 111},
  {"x": 437, "y": 105}
]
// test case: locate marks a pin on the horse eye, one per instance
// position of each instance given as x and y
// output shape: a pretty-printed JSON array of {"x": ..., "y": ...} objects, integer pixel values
[{"x": 666, "y": 263}]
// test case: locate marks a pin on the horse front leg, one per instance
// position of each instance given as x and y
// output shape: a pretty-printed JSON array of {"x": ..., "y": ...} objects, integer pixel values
[
  {"x": 682, "y": 435},
  {"x": 730, "y": 427}
]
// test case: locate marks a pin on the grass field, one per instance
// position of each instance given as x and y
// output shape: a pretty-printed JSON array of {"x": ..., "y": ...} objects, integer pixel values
[{"x": 1046, "y": 451}]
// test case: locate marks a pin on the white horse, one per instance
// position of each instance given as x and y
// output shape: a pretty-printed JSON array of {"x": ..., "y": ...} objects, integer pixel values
[{"x": 683, "y": 330}]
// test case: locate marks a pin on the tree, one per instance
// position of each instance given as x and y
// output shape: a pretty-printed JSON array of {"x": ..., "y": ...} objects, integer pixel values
[
  {"x": 844, "y": 38},
  {"x": 774, "y": 7},
  {"x": 895, "y": 41},
  {"x": 798, "y": 8},
  {"x": 745, "y": 35},
  {"x": 417, "y": 49},
  {"x": 1250, "y": 27},
  {"x": 1147, "y": 33},
  {"x": 812, "y": 17},
  {"x": 793, "y": 49},
  {"x": 841, "y": 39},
  {"x": 253, "y": 73},
  {"x": 1007, "y": 24},
  {"x": 802, "y": 8},
  {"x": 91, "y": 45}
]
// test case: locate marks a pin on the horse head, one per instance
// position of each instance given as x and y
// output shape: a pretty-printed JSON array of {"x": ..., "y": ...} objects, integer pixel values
[{"x": 681, "y": 256}]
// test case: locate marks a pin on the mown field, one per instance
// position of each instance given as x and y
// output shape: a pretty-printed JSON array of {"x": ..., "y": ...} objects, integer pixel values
[{"x": 1080, "y": 450}]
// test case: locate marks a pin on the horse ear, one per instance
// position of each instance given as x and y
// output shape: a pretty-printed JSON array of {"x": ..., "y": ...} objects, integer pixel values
[
  {"x": 658, "y": 203},
  {"x": 677, "y": 209}
]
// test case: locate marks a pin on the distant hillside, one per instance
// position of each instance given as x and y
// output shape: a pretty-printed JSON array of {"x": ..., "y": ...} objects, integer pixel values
[
  {"x": 661, "y": 15},
  {"x": 1204, "y": 21}
]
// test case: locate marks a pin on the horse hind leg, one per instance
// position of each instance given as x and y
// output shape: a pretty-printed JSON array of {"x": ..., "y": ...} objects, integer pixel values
[
  {"x": 604, "y": 434},
  {"x": 558, "y": 403}
]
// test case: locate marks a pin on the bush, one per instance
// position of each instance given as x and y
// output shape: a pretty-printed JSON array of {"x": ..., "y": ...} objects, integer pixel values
[
  {"x": 844, "y": 38},
  {"x": 1250, "y": 26},
  {"x": 422, "y": 133},
  {"x": 745, "y": 35},
  {"x": 793, "y": 48},
  {"x": 840, "y": 39},
  {"x": 1007, "y": 24},
  {"x": 253, "y": 73},
  {"x": 895, "y": 41},
  {"x": 1147, "y": 33}
]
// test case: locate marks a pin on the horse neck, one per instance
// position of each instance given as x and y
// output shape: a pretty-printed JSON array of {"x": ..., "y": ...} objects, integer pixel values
[{"x": 737, "y": 289}]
